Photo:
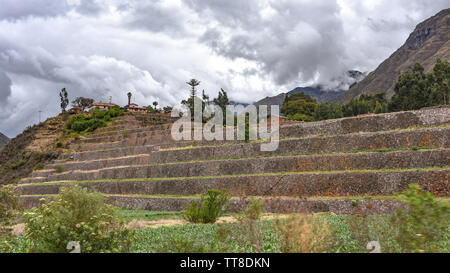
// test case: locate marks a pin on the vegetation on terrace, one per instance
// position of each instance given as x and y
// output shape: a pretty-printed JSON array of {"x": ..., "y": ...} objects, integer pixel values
[
  {"x": 413, "y": 90},
  {"x": 422, "y": 226},
  {"x": 87, "y": 123}
]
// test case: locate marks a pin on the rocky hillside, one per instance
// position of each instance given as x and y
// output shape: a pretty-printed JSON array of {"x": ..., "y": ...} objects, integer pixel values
[
  {"x": 31, "y": 149},
  {"x": 430, "y": 40},
  {"x": 3, "y": 140}
]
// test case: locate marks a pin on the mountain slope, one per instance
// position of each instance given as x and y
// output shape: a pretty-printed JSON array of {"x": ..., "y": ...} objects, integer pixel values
[
  {"x": 3, "y": 140},
  {"x": 430, "y": 40},
  {"x": 318, "y": 92}
]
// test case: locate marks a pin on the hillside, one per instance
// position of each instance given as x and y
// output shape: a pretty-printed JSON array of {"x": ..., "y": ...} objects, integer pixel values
[
  {"x": 33, "y": 147},
  {"x": 3, "y": 140},
  {"x": 342, "y": 166},
  {"x": 318, "y": 93},
  {"x": 430, "y": 40}
]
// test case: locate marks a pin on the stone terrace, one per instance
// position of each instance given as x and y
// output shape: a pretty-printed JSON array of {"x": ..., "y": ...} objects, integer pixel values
[{"x": 343, "y": 166}]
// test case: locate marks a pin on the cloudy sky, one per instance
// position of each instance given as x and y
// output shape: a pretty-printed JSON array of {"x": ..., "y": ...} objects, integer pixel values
[{"x": 251, "y": 48}]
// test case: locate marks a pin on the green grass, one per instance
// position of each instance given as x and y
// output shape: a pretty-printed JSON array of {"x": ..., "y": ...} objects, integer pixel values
[
  {"x": 231, "y": 238},
  {"x": 237, "y": 175},
  {"x": 128, "y": 215},
  {"x": 205, "y": 238}
]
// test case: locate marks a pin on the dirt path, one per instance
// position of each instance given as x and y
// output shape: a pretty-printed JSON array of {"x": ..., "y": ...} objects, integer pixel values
[{"x": 142, "y": 224}]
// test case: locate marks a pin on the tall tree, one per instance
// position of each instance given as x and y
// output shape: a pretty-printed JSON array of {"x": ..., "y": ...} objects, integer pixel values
[
  {"x": 64, "y": 99},
  {"x": 222, "y": 101},
  {"x": 189, "y": 103},
  {"x": 129, "y": 98},
  {"x": 416, "y": 89},
  {"x": 82, "y": 103}
]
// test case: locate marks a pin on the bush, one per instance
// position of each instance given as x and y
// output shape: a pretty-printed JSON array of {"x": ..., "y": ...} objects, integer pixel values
[
  {"x": 76, "y": 215},
  {"x": 9, "y": 210},
  {"x": 254, "y": 209},
  {"x": 38, "y": 166},
  {"x": 208, "y": 208},
  {"x": 59, "y": 145},
  {"x": 59, "y": 169},
  {"x": 97, "y": 119},
  {"x": 421, "y": 226},
  {"x": 425, "y": 222}
]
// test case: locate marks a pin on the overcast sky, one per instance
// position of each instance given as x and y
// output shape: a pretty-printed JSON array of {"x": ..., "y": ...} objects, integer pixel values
[{"x": 251, "y": 48}]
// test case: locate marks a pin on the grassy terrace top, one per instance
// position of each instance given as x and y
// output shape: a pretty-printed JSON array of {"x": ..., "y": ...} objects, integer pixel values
[
  {"x": 229, "y": 143},
  {"x": 196, "y": 196}
]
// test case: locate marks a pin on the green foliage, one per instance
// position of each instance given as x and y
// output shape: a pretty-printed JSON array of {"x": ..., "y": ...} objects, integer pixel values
[
  {"x": 189, "y": 103},
  {"x": 365, "y": 104},
  {"x": 59, "y": 169},
  {"x": 425, "y": 221},
  {"x": 9, "y": 212},
  {"x": 325, "y": 111},
  {"x": 255, "y": 209},
  {"x": 38, "y": 166},
  {"x": 416, "y": 89},
  {"x": 222, "y": 101},
  {"x": 208, "y": 208},
  {"x": 83, "y": 123},
  {"x": 76, "y": 215},
  {"x": 167, "y": 109},
  {"x": 59, "y": 145},
  {"x": 9, "y": 208},
  {"x": 422, "y": 225},
  {"x": 299, "y": 107}
]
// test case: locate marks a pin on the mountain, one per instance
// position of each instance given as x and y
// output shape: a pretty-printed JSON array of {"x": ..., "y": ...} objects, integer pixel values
[
  {"x": 3, "y": 140},
  {"x": 318, "y": 92},
  {"x": 275, "y": 100},
  {"x": 429, "y": 40}
]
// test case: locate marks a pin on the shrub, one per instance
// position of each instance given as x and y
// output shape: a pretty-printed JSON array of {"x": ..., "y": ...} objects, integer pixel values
[
  {"x": 39, "y": 166},
  {"x": 305, "y": 234},
  {"x": 59, "y": 169},
  {"x": 9, "y": 210},
  {"x": 59, "y": 145},
  {"x": 424, "y": 223},
  {"x": 208, "y": 208},
  {"x": 97, "y": 119},
  {"x": 76, "y": 215},
  {"x": 254, "y": 209}
]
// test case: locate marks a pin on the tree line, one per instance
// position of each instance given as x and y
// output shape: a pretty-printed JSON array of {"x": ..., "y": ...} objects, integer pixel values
[{"x": 413, "y": 90}]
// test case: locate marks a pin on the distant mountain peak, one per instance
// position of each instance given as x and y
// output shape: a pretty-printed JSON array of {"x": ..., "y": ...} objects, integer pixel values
[{"x": 429, "y": 40}]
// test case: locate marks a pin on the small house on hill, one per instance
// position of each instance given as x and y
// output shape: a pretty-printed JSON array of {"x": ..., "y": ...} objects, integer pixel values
[
  {"x": 134, "y": 108},
  {"x": 102, "y": 106}
]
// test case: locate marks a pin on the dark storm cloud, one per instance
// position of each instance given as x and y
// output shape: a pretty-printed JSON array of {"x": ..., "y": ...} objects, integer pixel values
[
  {"x": 292, "y": 41},
  {"x": 21, "y": 9},
  {"x": 5, "y": 87}
]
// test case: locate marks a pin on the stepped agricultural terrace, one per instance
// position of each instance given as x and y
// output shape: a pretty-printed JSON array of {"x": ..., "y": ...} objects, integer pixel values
[{"x": 348, "y": 165}]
